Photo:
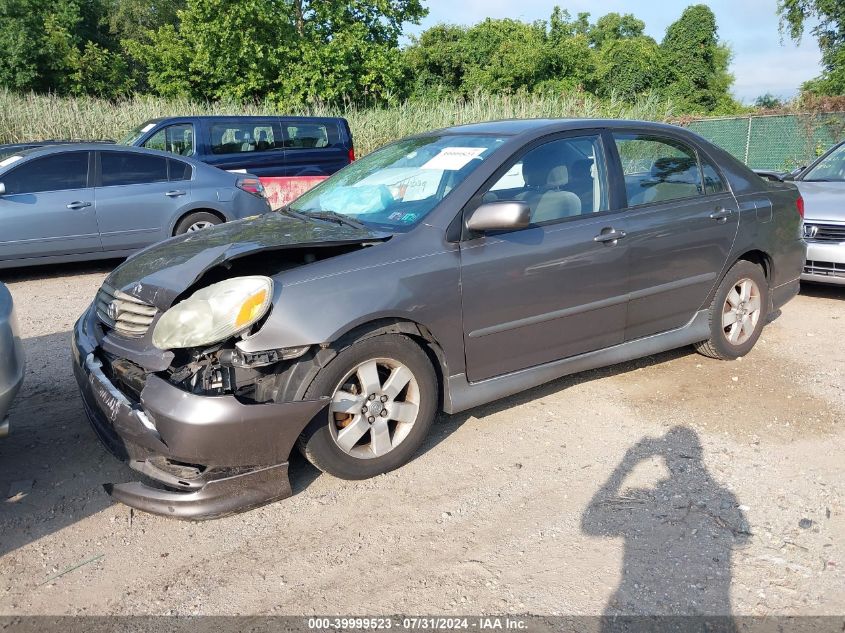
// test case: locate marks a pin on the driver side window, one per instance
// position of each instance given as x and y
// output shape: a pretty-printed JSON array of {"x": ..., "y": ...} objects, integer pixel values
[
  {"x": 557, "y": 180},
  {"x": 176, "y": 139}
]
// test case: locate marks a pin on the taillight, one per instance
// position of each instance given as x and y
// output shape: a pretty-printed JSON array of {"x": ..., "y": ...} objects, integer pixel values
[
  {"x": 351, "y": 154},
  {"x": 799, "y": 204},
  {"x": 251, "y": 185}
]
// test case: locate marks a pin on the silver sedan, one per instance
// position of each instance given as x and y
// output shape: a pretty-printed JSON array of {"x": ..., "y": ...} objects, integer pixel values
[
  {"x": 822, "y": 186},
  {"x": 11, "y": 358},
  {"x": 62, "y": 203}
]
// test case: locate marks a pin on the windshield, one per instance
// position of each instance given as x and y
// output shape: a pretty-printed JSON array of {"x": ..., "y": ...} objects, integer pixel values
[
  {"x": 395, "y": 187},
  {"x": 831, "y": 168},
  {"x": 135, "y": 135}
]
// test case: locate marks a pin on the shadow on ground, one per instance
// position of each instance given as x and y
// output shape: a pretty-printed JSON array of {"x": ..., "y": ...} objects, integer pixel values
[
  {"x": 37, "y": 273},
  {"x": 679, "y": 538}
]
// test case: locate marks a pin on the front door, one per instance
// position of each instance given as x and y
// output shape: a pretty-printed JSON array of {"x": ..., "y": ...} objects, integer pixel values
[
  {"x": 682, "y": 221},
  {"x": 557, "y": 288},
  {"x": 48, "y": 208}
]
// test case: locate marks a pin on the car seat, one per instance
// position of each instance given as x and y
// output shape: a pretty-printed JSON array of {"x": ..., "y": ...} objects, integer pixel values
[
  {"x": 581, "y": 182},
  {"x": 544, "y": 178}
]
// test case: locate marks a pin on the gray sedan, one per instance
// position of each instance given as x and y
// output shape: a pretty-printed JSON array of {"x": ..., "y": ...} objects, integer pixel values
[
  {"x": 822, "y": 186},
  {"x": 441, "y": 272},
  {"x": 11, "y": 358},
  {"x": 63, "y": 203}
]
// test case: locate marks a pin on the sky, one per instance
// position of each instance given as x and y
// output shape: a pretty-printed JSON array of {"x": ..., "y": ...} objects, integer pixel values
[{"x": 761, "y": 63}]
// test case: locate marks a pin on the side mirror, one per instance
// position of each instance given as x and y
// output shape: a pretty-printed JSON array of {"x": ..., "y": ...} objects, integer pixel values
[
  {"x": 500, "y": 216},
  {"x": 2, "y": 189}
]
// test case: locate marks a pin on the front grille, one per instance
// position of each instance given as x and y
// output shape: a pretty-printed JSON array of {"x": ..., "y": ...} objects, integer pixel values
[
  {"x": 123, "y": 313},
  {"x": 815, "y": 232},
  {"x": 828, "y": 269}
]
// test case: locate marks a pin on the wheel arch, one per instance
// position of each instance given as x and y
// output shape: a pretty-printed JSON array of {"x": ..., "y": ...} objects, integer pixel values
[
  {"x": 184, "y": 213},
  {"x": 419, "y": 333}
]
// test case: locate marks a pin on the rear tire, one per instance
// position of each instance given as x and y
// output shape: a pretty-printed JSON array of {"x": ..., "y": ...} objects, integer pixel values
[
  {"x": 384, "y": 399},
  {"x": 738, "y": 313},
  {"x": 196, "y": 222}
]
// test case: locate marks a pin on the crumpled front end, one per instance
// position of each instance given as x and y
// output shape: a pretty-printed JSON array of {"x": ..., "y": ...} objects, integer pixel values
[{"x": 206, "y": 455}]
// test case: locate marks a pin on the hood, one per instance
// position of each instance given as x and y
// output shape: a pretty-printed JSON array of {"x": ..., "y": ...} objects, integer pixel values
[
  {"x": 160, "y": 273},
  {"x": 823, "y": 200}
]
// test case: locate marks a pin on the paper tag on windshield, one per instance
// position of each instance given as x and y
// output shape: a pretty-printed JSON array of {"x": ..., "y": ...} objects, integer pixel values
[{"x": 453, "y": 158}]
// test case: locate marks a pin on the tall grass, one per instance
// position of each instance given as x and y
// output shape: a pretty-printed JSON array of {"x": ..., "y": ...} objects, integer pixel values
[{"x": 33, "y": 117}]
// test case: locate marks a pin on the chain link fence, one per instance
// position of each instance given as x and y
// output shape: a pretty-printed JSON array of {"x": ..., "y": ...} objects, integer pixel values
[{"x": 778, "y": 142}]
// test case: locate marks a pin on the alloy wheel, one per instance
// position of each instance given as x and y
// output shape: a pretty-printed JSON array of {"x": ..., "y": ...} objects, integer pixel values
[
  {"x": 741, "y": 311},
  {"x": 374, "y": 408}
]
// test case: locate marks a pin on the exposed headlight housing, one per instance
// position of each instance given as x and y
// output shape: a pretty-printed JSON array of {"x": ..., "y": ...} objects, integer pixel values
[{"x": 214, "y": 313}]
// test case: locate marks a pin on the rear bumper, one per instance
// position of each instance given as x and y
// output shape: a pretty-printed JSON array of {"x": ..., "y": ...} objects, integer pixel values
[
  {"x": 825, "y": 263},
  {"x": 208, "y": 456}
]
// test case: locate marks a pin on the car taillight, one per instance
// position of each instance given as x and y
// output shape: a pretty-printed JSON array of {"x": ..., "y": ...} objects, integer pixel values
[
  {"x": 251, "y": 185},
  {"x": 799, "y": 204},
  {"x": 351, "y": 154}
]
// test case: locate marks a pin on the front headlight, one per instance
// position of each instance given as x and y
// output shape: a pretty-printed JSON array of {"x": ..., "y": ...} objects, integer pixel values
[{"x": 214, "y": 313}]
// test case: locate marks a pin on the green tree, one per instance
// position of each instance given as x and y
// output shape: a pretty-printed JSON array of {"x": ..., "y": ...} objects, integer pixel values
[
  {"x": 829, "y": 33},
  {"x": 436, "y": 61},
  {"x": 294, "y": 51},
  {"x": 768, "y": 101},
  {"x": 628, "y": 67},
  {"x": 60, "y": 47},
  {"x": 614, "y": 26},
  {"x": 696, "y": 64}
]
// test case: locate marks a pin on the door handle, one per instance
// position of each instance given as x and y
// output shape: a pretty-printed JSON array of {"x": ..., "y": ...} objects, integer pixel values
[
  {"x": 609, "y": 236},
  {"x": 175, "y": 194},
  {"x": 721, "y": 215},
  {"x": 78, "y": 205}
]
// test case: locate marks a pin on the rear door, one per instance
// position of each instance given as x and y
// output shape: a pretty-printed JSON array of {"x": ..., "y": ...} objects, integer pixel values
[
  {"x": 251, "y": 145},
  {"x": 136, "y": 200},
  {"x": 48, "y": 208},
  {"x": 313, "y": 147},
  {"x": 558, "y": 287},
  {"x": 682, "y": 221}
]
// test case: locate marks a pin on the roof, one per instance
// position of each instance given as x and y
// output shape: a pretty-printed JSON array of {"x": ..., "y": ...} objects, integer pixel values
[
  {"x": 45, "y": 150},
  {"x": 513, "y": 127},
  {"x": 229, "y": 117}
]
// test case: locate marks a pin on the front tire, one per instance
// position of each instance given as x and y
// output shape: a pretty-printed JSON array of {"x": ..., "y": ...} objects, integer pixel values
[
  {"x": 738, "y": 313},
  {"x": 384, "y": 399}
]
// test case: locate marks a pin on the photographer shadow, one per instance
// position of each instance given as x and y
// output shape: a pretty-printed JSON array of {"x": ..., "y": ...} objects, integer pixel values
[{"x": 679, "y": 539}]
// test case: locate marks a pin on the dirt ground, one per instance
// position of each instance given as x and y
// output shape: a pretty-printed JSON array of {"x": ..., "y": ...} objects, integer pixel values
[{"x": 673, "y": 484}]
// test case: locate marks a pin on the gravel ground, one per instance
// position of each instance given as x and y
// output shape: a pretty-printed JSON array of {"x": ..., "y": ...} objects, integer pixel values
[{"x": 672, "y": 484}]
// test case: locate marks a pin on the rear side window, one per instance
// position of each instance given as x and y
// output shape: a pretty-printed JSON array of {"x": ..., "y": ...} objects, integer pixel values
[
  {"x": 253, "y": 136},
  {"x": 131, "y": 169},
  {"x": 180, "y": 170},
  {"x": 57, "y": 172},
  {"x": 302, "y": 135},
  {"x": 657, "y": 169},
  {"x": 176, "y": 139}
]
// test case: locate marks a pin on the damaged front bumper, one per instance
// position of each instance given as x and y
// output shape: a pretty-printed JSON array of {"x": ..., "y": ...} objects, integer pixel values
[{"x": 208, "y": 456}]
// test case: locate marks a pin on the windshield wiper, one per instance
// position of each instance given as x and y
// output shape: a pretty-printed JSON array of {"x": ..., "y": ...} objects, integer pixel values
[{"x": 332, "y": 216}]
